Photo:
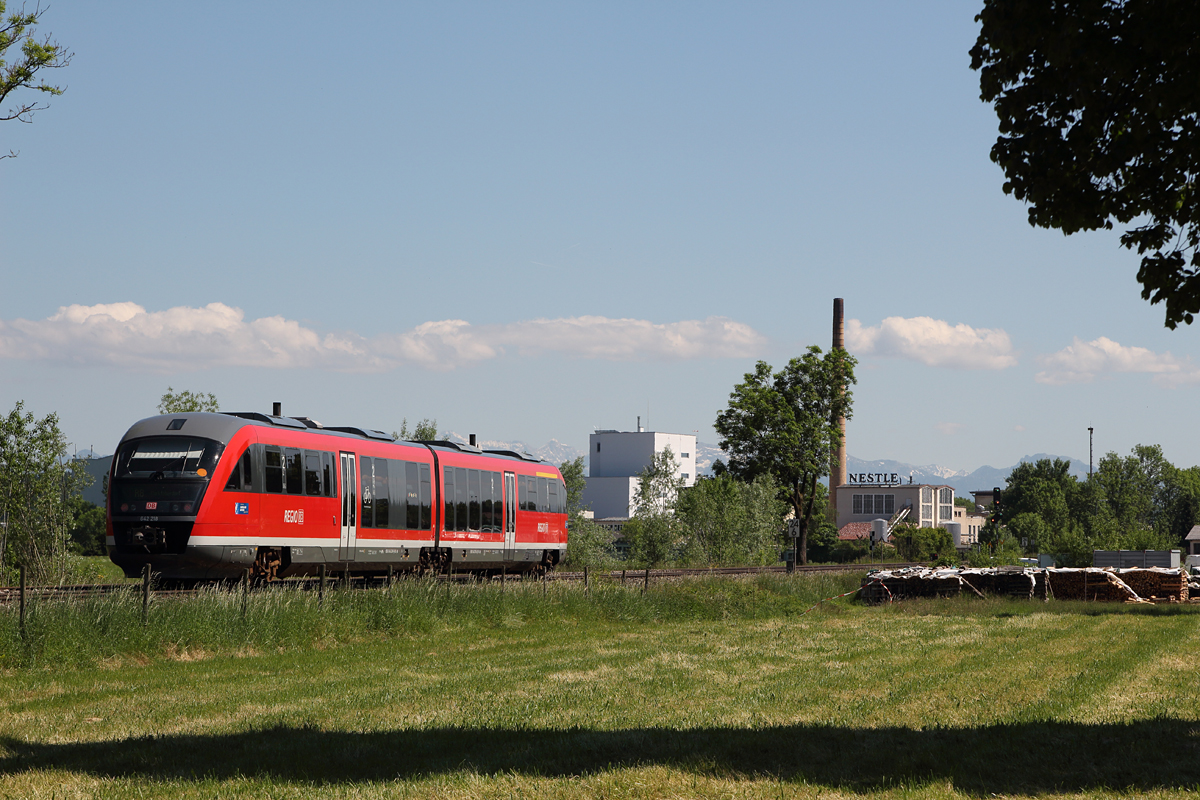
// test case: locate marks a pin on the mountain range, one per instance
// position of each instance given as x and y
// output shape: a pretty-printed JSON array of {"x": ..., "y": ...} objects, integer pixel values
[{"x": 964, "y": 482}]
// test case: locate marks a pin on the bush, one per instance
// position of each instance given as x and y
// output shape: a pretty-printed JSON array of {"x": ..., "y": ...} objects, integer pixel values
[
  {"x": 588, "y": 545},
  {"x": 924, "y": 544}
]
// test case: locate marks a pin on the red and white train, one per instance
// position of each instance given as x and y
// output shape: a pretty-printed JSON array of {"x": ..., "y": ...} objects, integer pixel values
[{"x": 205, "y": 496}]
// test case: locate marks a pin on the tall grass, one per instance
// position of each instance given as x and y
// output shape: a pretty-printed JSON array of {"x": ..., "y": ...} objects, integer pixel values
[{"x": 84, "y": 632}]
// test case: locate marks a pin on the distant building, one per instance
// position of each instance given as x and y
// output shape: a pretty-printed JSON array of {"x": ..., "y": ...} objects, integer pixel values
[
  {"x": 971, "y": 523},
  {"x": 928, "y": 506},
  {"x": 921, "y": 504},
  {"x": 1192, "y": 540},
  {"x": 616, "y": 458}
]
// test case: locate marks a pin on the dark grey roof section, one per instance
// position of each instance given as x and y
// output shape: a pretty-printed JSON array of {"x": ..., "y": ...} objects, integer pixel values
[
  {"x": 515, "y": 454},
  {"x": 465, "y": 448},
  {"x": 367, "y": 432},
  {"x": 284, "y": 422},
  {"x": 202, "y": 424}
]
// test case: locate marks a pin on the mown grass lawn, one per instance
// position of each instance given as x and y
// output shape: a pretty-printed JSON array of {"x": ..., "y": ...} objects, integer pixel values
[{"x": 694, "y": 691}]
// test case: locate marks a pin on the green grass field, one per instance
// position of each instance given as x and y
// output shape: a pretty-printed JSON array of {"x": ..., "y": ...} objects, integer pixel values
[{"x": 705, "y": 688}]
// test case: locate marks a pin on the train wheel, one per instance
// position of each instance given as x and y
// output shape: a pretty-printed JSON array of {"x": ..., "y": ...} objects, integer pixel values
[{"x": 266, "y": 565}]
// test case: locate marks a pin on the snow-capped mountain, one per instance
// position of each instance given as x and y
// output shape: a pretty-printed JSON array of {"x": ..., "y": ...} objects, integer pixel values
[{"x": 553, "y": 452}]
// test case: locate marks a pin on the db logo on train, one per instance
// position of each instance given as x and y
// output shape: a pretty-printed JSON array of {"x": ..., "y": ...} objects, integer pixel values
[{"x": 295, "y": 515}]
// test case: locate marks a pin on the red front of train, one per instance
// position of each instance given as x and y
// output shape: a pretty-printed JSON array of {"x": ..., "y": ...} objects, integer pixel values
[{"x": 202, "y": 496}]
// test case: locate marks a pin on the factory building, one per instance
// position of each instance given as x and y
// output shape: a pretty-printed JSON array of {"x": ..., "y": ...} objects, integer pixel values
[
  {"x": 616, "y": 458},
  {"x": 928, "y": 505}
]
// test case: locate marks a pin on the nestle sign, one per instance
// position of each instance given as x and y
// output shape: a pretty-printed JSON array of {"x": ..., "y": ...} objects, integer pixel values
[{"x": 873, "y": 477}]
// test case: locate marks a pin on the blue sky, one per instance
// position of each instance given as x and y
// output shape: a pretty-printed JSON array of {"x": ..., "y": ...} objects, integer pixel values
[{"x": 528, "y": 220}]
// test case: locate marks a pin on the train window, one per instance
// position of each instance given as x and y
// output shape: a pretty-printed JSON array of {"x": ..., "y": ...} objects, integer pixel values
[
  {"x": 234, "y": 484},
  {"x": 497, "y": 502},
  {"x": 460, "y": 498},
  {"x": 412, "y": 497},
  {"x": 553, "y": 488},
  {"x": 448, "y": 494},
  {"x": 426, "y": 499},
  {"x": 543, "y": 495},
  {"x": 241, "y": 479},
  {"x": 486, "y": 480},
  {"x": 328, "y": 474},
  {"x": 159, "y": 457},
  {"x": 397, "y": 517},
  {"x": 367, "y": 518},
  {"x": 293, "y": 467},
  {"x": 273, "y": 462},
  {"x": 312, "y": 473},
  {"x": 381, "y": 493},
  {"x": 473, "y": 499}
]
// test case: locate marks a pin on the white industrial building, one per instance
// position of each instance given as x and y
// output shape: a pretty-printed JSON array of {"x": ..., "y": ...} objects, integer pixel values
[{"x": 615, "y": 460}]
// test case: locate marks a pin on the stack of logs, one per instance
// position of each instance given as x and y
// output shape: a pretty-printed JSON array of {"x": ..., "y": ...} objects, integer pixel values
[
  {"x": 1092, "y": 584},
  {"x": 1103, "y": 585},
  {"x": 1157, "y": 584}
]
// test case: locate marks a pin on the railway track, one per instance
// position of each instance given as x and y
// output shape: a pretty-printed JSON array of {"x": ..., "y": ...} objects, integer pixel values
[{"x": 11, "y": 594}]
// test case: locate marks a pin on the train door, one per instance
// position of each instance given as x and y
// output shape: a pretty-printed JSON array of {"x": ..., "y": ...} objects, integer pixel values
[
  {"x": 510, "y": 515},
  {"x": 349, "y": 508}
]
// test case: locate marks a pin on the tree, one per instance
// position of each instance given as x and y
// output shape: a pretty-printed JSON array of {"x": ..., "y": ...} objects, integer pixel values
[
  {"x": 1135, "y": 502},
  {"x": 88, "y": 527},
  {"x": 653, "y": 531},
  {"x": 726, "y": 521},
  {"x": 1043, "y": 488},
  {"x": 37, "y": 484},
  {"x": 573, "y": 478},
  {"x": 22, "y": 72},
  {"x": 174, "y": 402},
  {"x": 588, "y": 544},
  {"x": 424, "y": 431},
  {"x": 784, "y": 424},
  {"x": 924, "y": 544},
  {"x": 1099, "y": 123}
]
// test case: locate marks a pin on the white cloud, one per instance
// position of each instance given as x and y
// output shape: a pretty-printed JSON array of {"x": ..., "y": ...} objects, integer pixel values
[
  {"x": 948, "y": 428},
  {"x": 933, "y": 342},
  {"x": 1081, "y": 362},
  {"x": 126, "y": 335}
]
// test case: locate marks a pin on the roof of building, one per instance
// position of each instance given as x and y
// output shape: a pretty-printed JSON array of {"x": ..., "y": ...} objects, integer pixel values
[
  {"x": 855, "y": 530},
  {"x": 1193, "y": 534}
]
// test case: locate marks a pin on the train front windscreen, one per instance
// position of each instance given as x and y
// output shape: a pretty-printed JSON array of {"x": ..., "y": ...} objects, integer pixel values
[{"x": 162, "y": 475}]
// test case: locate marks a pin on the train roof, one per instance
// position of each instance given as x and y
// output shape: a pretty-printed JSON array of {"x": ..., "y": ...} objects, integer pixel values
[{"x": 222, "y": 426}]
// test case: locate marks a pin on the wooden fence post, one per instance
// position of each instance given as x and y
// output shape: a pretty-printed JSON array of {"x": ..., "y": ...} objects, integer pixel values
[
  {"x": 389, "y": 577},
  {"x": 587, "y": 582},
  {"x": 321, "y": 589},
  {"x": 646, "y": 585}
]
